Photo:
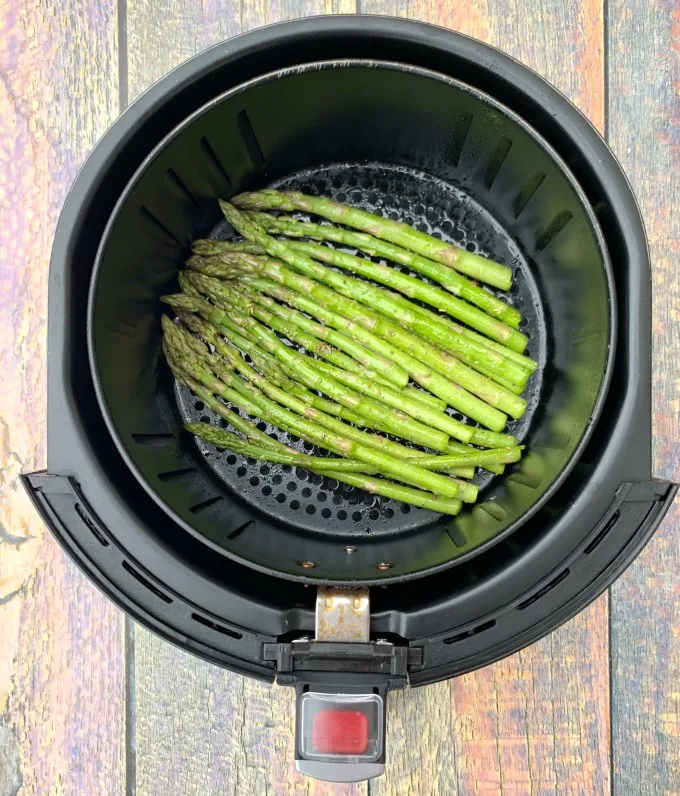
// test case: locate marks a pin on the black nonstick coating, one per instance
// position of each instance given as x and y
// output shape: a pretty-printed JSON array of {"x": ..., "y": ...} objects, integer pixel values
[{"x": 399, "y": 141}]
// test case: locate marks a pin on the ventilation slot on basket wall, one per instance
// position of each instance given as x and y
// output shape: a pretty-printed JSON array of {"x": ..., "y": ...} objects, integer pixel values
[
  {"x": 211, "y": 157},
  {"x": 179, "y": 188},
  {"x": 238, "y": 531},
  {"x": 205, "y": 504},
  {"x": 460, "y": 134},
  {"x": 496, "y": 161},
  {"x": 159, "y": 225},
  {"x": 527, "y": 192},
  {"x": 202, "y": 620},
  {"x": 146, "y": 583},
  {"x": 250, "y": 139},
  {"x": 542, "y": 592},
  {"x": 172, "y": 474},
  {"x": 152, "y": 439},
  {"x": 553, "y": 229}
]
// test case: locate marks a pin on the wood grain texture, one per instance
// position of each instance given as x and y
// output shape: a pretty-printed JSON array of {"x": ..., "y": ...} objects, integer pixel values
[
  {"x": 644, "y": 126},
  {"x": 517, "y": 727},
  {"x": 61, "y": 654},
  {"x": 645, "y": 650},
  {"x": 644, "y": 122},
  {"x": 162, "y": 35},
  {"x": 202, "y": 730}
]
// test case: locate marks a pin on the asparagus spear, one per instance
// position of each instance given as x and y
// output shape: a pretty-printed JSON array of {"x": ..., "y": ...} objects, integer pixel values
[
  {"x": 418, "y": 319},
  {"x": 248, "y": 429},
  {"x": 424, "y": 397},
  {"x": 457, "y": 397},
  {"x": 287, "y": 320},
  {"x": 381, "y": 301},
  {"x": 413, "y": 393},
  {"x": 405, "y": 494},
  {"x": 409, "y": 286},
  {"x": 320, "y": 465},
  {"x": 269, "y": 368},
  {"x": 385, "y": 229},
  {"x": 400, "y": 421},
  {"x": 411, "y": 348},
  {"x": 382, "y": 444},
  {"x": 402, "y": 470},
  {"x": 209, "y": 333},
  {"x": 223, "y": 439},
  {"x": 360, "y": 290},
  {"x": 454, "y": 282}
]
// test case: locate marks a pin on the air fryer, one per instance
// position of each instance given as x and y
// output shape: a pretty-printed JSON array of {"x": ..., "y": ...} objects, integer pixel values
[{"x": 218, "y": 553}]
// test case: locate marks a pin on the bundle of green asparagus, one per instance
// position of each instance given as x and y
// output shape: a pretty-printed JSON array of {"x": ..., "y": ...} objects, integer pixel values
[{"x": 344, "y": 384}]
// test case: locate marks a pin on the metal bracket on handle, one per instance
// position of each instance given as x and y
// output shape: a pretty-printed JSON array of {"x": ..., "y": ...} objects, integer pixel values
[{"x": 342, "y": 614}]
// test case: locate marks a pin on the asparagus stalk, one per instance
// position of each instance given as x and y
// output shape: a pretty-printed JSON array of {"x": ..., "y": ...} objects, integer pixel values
[
  {"x": 412, "y": 393},
  {"x": 269, "y": 368},
  {"x": 401, "y": 420},
  {"x": 524, "y": 365},
  {"x": 454, "y": 448},
  {"x": 250, "y": 431},
  {"x": 253, "y": 434},
  {"x": 318, "y": 464},
  {"x": 413, "y": 288},
  {"x": 427, "y": 372},
  {"x": 223, "y": 439},
  {"x": 490, "y": 439},
  {"x": 458, "y": 397},
  {"x": 405, "y": 494},
  {"x": 418, "y": 319},
  {"x": 454, "y": 282},
  {"x": 382, "y": 444},
  {"x": 402, "y": 470},
  {"x": 287, "y": 320},
  {"x": 381, "y": 301},
  {"x": 361, "y": 291},
  {"x": 443, "y": 274},
  {"x": 354, "y": 381},
  {"x": 385, "y": 229},
  {"x": 422, "y": 375}
]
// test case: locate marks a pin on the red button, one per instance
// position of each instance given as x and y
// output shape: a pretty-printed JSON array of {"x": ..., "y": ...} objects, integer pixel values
[{"x": 340, "y": 732}]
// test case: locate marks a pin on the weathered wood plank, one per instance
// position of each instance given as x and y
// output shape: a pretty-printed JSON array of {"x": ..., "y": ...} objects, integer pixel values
[
  {"x": 61, "y": 661},
  {"x": 515, "y": 727},
  {"x": 200, "y": 729},
  {"x": 162, "y": 35},
  {"x": 644, "y": 130},
  {"x": 645, "y": 650}
]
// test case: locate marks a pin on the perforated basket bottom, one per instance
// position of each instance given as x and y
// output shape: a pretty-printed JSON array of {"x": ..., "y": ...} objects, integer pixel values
[{"x": 321, "y": 505}]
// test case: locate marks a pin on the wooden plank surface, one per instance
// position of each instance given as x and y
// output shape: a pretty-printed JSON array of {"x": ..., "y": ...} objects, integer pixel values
[
  {"x": 644, "y": 132},
  {"x": 644, "y": 125},
  {"x": 61, "y": 650}
]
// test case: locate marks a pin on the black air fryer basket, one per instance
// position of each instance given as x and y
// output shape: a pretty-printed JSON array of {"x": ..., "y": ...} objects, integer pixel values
[{"x": 217, "y": 552}]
